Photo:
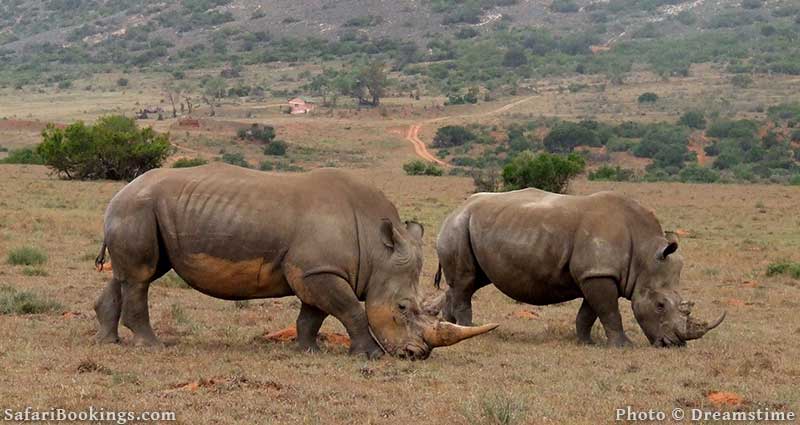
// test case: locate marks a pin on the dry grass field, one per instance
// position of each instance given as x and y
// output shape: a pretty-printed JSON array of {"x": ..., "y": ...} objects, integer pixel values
[{"x": 218, "y": 368}]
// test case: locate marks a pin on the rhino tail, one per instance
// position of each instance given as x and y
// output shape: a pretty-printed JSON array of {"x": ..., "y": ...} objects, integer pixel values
[
  {"x": 101, "y": 258},
  {"x": 437, "y": 278}
]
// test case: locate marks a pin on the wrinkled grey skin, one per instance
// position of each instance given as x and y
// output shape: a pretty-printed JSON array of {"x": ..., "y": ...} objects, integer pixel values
[
  {"x": 542, "y": 248},
  {"x": 238, "y": 234}
]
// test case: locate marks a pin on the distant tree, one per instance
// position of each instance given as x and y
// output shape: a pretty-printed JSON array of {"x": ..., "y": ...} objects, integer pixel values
[
  {"x": 693, "y": 119},
  {"x": 371, "y": 83},
  {"x": 213, "y": 90},
  {"x": 565, "y": 136},
  {"x": 114, "y": 148},
  {"x": 550, "y": 172}
]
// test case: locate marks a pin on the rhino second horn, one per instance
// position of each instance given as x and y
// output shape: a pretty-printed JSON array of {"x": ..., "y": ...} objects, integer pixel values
[
  {"x": 696, "y": 330},
  {"x": 442, "y": 334},
  {"x": 433, "y": 305}
]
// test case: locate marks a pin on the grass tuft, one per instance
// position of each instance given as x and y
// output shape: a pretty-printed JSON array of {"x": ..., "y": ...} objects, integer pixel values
[
  {"x": 497, "y": 409},
  {"x": 26, "y": 256},
  {"x": 34, "y": 271},
  {"x": 23, "y": 302},
  {"x": 784, "y": 267}
]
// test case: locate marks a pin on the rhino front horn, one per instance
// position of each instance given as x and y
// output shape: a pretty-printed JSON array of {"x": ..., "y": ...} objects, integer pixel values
[
  {"x": 695, "y": 330},
  {"x": 442, "y": 334}
]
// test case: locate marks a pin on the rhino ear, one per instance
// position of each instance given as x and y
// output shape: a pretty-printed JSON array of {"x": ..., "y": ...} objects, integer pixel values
[
  {"x": 667, "y": 250},
  {"x": 387, "y": 233},
  {"x": 415, "y": 229}
]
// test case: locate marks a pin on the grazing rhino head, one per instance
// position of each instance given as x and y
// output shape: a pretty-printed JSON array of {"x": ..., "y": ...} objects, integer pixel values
[
  {"x": 400, "y": 321},
  {"x": 662, "y": 314}
]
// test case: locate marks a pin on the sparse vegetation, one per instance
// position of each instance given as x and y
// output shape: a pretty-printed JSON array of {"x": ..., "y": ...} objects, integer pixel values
[
  {"x": 235, "y": 158},
  {"x": 13, "y": 301},
  {"x": 419, "y": 168},
  {"x": 189, "y": 162},
  {"x": 26, "y": 256}
]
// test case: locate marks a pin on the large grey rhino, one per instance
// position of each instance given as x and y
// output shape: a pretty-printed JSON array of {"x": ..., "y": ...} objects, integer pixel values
[
  {"x": 543, "y": 248},
  {"x": 238, "y": 234}
]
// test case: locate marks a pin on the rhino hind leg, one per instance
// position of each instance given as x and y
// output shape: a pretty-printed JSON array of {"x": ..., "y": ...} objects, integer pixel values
[
  {"x": 108, "y": 308},
  {"x": 602, "y": 295},
  {"x": 136, "y": 314},
  {"x": 584, "y": 322},
  {"x": 308, "y": 323}
]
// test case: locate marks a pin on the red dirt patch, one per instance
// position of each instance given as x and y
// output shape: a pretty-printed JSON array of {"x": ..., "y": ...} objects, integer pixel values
[
  {"x": 525, "y": 314},
  {"x": 750, "y": 283},
  {"x": 71, "y": 315},
  {"x": 724, "y": 398},
  {"x": 189, "y": 122},
  {"x": 290, "y": 334},
  {"x": 735, "y": 302}
]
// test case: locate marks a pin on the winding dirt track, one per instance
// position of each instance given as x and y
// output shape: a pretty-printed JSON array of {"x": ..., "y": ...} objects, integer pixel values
[{"x": 421, "y": 149}]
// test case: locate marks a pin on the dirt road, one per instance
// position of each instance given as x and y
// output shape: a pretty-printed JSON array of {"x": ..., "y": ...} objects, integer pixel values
[{"x": 421, "y": 149}]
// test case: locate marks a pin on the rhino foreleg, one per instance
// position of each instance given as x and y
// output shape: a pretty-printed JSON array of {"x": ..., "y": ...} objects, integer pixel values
[
  {"x": 108, "y": 308},
  {"x": 308, "y": 323},
  {"x": 584, "y": 322},
  {"x": 333, "y": 295},
  {"x": 136, "y": 314},
  {"x": 602, "y": 295}
]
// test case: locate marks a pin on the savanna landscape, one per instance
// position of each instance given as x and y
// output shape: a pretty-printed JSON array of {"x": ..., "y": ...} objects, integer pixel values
[{"x": 690, "y": 108}]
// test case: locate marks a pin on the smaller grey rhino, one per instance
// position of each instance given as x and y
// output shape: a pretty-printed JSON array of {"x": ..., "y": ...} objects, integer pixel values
[{"x": 543, "y": 248}]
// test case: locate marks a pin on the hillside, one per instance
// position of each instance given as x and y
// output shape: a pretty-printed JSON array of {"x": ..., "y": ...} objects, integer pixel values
[{"x": 441, "y": 44}]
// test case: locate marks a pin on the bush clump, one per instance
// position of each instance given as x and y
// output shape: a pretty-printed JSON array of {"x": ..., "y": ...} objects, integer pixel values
[
  {"x": 550, "y": 172},
  {"x": 189, "y": 162},
  {"x": 26, "y": 256},
  {"x": 697, "y": 174},
  {"x": 114, "y": 148},
  {"x": 258, "y": 133},
  {"x": 609, "y": 173},
  {"x": 565, "y": 136},
  {"x": 421, "y": 168},
  {"x": 235, "y": 158},
  {"x": 276, "y": 148},
  {"x": 784, "y": 267},
  {"x": 452, "y": 135},
  {"x": 693, "y": 119},
  {"x": 648, "y": 97}
]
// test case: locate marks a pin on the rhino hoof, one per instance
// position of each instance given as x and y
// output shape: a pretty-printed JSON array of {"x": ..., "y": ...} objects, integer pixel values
[{"x": 620, "y": 342}]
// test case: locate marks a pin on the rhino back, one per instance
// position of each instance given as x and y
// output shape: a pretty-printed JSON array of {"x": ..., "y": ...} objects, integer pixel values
[
  {"x": 226, "y": 230},
  {"x": 534, "y": 245}
]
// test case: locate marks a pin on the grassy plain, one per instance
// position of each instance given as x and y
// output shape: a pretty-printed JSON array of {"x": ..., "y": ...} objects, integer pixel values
[{"x": 217, "y": 368}]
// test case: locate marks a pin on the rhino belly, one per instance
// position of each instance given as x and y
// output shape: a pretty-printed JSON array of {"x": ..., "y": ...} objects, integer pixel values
[
  {"x": 233, "y": 279},
  {"x": 537, "y": 289}
]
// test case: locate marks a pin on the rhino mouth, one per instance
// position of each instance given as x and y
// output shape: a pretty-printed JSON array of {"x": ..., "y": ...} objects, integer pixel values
[
  {"x": 667, "y": 341},
  {"x": 414, "y": 352}
]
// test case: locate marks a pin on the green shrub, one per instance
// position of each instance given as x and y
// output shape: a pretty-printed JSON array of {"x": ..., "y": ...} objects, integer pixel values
[
  {"x": 419, "y": 168},
  {"x": 122, "y": 82},
  {"x": 23, "y": 156},
  {"x": 619, "y": 144},
  {"x": 24, "y": 302},
  {"x": 752, "y": 4},
  {"x": 784, "y": 267},
  {"x": 648, "y": 97},
  {"x": 795, "y": 180},
  {"x": 235, "y": 158},
  {"x": 189, "y": 162},
  {"x": 27, "y": 256},
  {"x": 697, "y": 174},
  {"x": 733, "y": 129},
  {"x": 550, "y": 172},
  {"x": 742, "y": 81},
  {"x": 630, "y": 129},
  {"x": 276, "y": 148},
  {"x": 609, "y": 173},
  {"x": 452, "y": 135},
  {"x": 784, "y": 112},
  {"x": 114, "y": 148},
  {"x": 693, "y": 119}
]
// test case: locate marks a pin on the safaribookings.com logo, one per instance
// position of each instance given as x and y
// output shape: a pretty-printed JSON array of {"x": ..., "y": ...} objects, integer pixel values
[{"x": 30, "y": 414}]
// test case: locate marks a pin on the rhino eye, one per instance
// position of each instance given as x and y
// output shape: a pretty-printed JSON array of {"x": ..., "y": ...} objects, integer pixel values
[
  {"x": 660, "y": 306},
  {"x": 402, "y": 306}
]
